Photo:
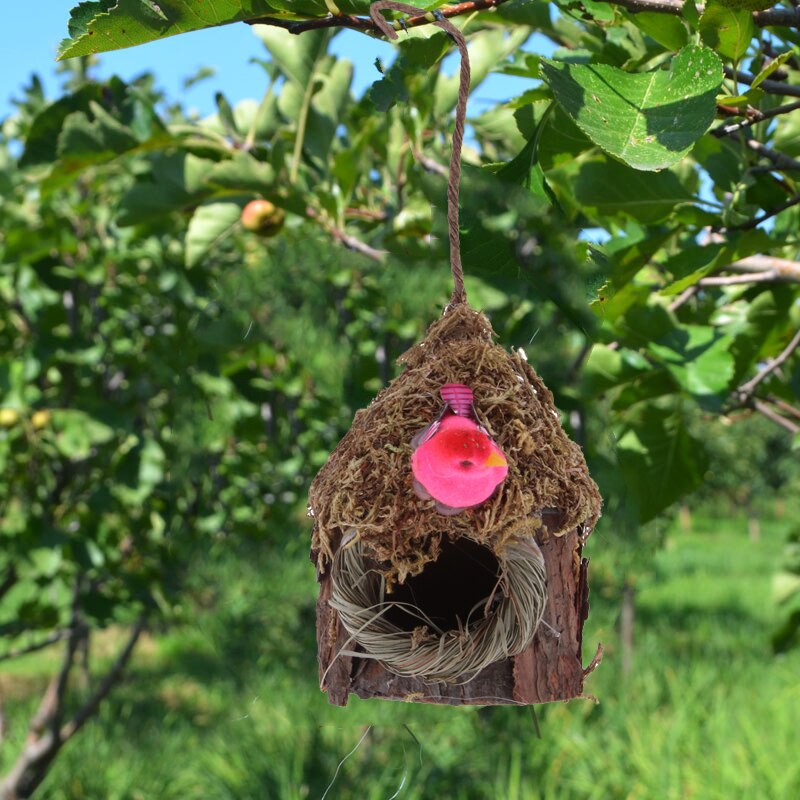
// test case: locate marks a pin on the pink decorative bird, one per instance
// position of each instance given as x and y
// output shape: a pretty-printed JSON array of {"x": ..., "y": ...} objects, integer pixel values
[{"x": 455, "y": 461}]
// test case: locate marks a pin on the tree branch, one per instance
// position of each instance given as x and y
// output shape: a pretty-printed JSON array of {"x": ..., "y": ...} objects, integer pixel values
[
  {"x": 770, "y": 87},
  {"x": 754, "y": 116},
  {"x": 366, "y": 25},
  {"x": 779, "y": 160},
  {"x": 429, "y": 164},
  {"x": 684, "y": 297},
  {"x": 788, "y": 270},
  {"x": 35, "y": 647},
  {"x": 89, "y": 708},
  {"x": 43, "y": 741},
  {"x": 780, "y": 17},
  {"x": 746, "y": 390},
  {"x": 350, "y": 242},
  {"x": 736, "y": 280},
  {"x": 775, "y": 417},
  {"x": 784, "y": 406},
  {"x": 34, "y": 762},
  {"x": 756, "y": 221}
]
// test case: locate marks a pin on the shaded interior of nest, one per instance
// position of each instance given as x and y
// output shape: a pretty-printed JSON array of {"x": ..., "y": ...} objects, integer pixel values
[
  {"x": 463, "y": 612},
  {"x": 366, "y": 485}
]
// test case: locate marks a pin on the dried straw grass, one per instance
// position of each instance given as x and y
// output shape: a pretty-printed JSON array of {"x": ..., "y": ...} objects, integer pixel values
[
  {"x": 366, "y": 485},
  {"x": 498, "y": 627}
]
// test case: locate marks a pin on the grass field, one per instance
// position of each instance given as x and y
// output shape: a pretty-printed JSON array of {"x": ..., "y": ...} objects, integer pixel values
[{"x": 228, "y": 706}]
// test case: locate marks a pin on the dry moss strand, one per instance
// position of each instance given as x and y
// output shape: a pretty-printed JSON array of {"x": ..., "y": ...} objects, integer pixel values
[{"x": 366, "y": 484}]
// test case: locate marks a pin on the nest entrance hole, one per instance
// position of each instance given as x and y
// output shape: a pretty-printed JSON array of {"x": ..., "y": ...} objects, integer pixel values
[{"x": 447, "y": 590}]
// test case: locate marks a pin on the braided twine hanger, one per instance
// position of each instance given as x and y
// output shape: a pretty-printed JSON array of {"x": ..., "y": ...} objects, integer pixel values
[{"x": 459, "y": 295}]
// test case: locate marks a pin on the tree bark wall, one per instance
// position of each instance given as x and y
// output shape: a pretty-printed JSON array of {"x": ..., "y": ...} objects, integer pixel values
[{"x": 549, "y": 669}]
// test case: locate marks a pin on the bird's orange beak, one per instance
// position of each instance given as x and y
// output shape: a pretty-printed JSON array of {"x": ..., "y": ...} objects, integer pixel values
[{"x": 495, "y": 460}]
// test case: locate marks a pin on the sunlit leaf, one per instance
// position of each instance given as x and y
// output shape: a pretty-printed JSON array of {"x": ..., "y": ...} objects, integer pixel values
[{"x": 649, "y": 120}]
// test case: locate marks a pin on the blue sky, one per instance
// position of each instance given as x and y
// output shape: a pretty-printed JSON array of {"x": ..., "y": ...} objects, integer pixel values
[{"x": 30, "y": 36}]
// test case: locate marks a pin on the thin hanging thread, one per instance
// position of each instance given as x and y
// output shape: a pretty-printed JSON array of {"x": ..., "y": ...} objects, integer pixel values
[{"x": 454, "y": 180}]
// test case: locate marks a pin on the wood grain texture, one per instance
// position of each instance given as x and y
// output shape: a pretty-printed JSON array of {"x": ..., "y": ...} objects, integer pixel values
[{"x": 549, "y": 669}]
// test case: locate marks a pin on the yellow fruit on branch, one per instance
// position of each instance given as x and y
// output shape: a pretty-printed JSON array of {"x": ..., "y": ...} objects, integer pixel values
[
  {"x": 8, "y": 417},
  {"x": 263, "y": 217},
  {"x": 40, "y": 419}
]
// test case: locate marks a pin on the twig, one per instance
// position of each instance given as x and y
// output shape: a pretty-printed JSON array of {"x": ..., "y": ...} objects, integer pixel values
[
  {"x": 782, "y": 17},
  {"x": 429, "y": 164},
  {"x": 366, "y": 213},
  {"x": 728, "y": 128},
  {"x": 764, "y": 409},
  {"x": 788, "y": 270},
  {"x": 350, "y": 242},
  {"x": 578, "y": 362},
  {"x": 746, "y": 390},
  {"x": 756, "y": 221},
  {"x": 780, "y": 160},
  {"x": 769, "y": 86},
  {"x": 684, "y": 297},
  {"x": 35, "y": 647},
  {"x": 42, "y": 747},
  {"x": 48, "y": 716},
  {"x": 595, "y": 662},
  {"x": 88, "y": 709},
  {"x": 367, "y": 25},
  {"x": 735, "y": 280},
  {"x": 784, "y": 406}
]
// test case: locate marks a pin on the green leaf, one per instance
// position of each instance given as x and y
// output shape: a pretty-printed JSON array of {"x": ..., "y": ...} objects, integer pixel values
[
  {"x": 87, "y": 141},
  {"x": 411, "y": 67},
  {"x": 773, "y": 65},
  {"x": 667, "y": 30},
  {"x": 751, "y": 97},
  {"x": 660, "y": 461},
  {"x": 174, "y": 182},
  {"x": 613, "y": 188},
  {"x": 606, "y": 368},
  {"x": 41, "y": 143},
  {"x": 208, "y": 225},
  {"x": 727, "y": 30},
  {"x": 698, "y": 357},
  {"x": 297, "y": 57},
  {"x": 484, "y": 53},
  {"x": 102, "y": 26},
  {"x": 690, "y": 13},
  {"x": 329, "y": 102},
  {"x": 648, "y": 120},
  {"x": 765, "y": 315},
  {"x": 689, "y": 266},
  {"x": 243, "y": 173},
  {"x": 76, "y": 432}
]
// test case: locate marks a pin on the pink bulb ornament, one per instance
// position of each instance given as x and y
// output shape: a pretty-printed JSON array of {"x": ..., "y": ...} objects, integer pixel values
[{"x": 455, "y": 462}]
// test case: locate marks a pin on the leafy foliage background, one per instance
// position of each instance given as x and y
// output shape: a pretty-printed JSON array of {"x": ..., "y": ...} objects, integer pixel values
[{"x": 170, "y": 382}]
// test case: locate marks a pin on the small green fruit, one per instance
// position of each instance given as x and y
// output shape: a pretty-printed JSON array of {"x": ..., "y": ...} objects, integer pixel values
[{"x": 263, "y": 217}]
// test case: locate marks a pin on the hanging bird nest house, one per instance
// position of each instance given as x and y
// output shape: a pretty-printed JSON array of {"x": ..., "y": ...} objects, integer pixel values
[{"x": 421, "y": 603}]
